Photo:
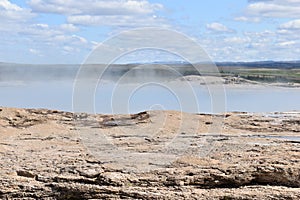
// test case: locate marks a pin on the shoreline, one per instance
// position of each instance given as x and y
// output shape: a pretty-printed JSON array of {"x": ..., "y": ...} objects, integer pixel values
[{"x": 226, "y": 81}]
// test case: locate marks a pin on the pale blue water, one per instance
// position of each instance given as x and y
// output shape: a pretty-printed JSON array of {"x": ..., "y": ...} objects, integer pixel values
[{"x": 58, "y": 95}]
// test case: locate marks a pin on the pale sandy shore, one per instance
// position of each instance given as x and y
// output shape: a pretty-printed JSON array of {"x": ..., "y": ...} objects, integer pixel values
[
  {"x": 230, "y": 81},
  {"x": 151, "y": 155}
]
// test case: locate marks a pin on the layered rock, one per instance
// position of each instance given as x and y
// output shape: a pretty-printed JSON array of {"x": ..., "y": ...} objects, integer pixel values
[{"x": 150, "y": 155}]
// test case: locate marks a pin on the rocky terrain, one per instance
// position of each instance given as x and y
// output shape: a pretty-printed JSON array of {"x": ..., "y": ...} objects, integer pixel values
[{"x": 150, "y": 155}]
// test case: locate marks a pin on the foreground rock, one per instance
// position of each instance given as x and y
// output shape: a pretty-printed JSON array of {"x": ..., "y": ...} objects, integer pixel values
[{"x": 151, "y": 155}]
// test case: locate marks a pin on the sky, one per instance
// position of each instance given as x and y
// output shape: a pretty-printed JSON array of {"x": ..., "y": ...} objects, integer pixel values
[{"x": 66, "y": 31}]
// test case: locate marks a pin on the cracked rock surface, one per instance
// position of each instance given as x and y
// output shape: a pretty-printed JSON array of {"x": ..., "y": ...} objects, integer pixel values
[{"x": 48, "y": 154}]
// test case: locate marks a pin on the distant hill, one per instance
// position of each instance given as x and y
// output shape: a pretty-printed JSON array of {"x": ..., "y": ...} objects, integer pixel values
[
  {"x": 262, "y": 64},
  {"x": 256, "y": 64},
  {"x": 286, "y": 71}
]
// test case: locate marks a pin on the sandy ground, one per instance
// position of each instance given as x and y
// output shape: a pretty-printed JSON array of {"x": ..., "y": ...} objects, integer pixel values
[{"x": 150, "y": 155}]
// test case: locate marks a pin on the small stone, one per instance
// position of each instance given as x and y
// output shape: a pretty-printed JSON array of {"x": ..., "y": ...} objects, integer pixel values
[
  {"x": 91, "y": 173},
  {"x": 227, "y": 115},
  {"x": 25, "y": 174},
  {"x": 42, "y": 179}
]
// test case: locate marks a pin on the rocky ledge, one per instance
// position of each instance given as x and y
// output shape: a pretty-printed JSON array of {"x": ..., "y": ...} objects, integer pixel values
[{"x": 150, "y": 155}]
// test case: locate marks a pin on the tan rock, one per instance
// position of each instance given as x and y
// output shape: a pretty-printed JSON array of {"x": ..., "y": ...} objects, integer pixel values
[{"x": 150, "y": 155}]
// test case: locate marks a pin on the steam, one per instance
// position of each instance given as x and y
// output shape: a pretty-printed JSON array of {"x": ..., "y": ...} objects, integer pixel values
[{"x": 32, "y": 73}]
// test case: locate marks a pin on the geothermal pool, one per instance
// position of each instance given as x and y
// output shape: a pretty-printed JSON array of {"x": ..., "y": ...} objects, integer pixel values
[{"x": 108, "y": 98}]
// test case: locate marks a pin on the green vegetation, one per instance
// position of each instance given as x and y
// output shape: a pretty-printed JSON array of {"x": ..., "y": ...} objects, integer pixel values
[{"x": 264, "y": 74}]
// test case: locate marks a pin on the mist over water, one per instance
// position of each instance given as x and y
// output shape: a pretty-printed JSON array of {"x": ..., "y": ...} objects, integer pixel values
[{"x": 52, "y": 88}]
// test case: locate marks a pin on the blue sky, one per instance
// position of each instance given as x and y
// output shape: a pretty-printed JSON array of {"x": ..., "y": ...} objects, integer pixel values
[{"x": 66, "y": 31}]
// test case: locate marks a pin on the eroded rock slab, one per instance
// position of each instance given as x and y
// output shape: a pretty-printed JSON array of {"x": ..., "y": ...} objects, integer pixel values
[{"x": 150, "y": 155}]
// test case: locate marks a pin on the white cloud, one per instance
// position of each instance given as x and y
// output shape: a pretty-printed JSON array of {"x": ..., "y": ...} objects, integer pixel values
[
  {"x": 115, "y": 13},
  {"x": 237, "y": 40},
  {"x": 70, "y": 40},
  {"x": 286, "y": 43},
  {"x": 69, "y": 27},
  {"x": 219, "y": 28},
  {"x": 35, "y": 52},
  {"x": 91, "y": 7},
  {"x": 253, "y": 46},
  {"x": 289, "y": 32},
  {"x": 294, "y": 24},
  {"x": 41, "y": 26},
  {"x": 258, "y": 10},
  {"x": 79, "y": 39},
  {"x": 10, "y": 12},
  {"x": 20, "y": 29},
  {"x": 117, "y": 21},
  {"x": 9, "y": 6},
  {"x": 274, "y": 8},
  {"x": 94, "y": 44},
  {"x": 247, "y": 19},
  {"x": 38, "y": 31},
  {"x": 20, "y": 25},
  {"x": 262, "y": 34},
  {"x": 70, "y": 50}
]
